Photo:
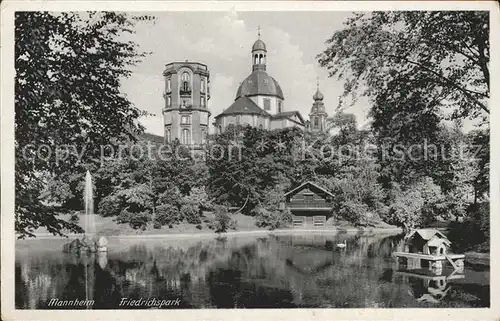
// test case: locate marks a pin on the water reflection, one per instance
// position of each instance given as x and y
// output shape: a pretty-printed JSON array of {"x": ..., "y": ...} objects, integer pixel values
[{"x": 242, "y": 272}]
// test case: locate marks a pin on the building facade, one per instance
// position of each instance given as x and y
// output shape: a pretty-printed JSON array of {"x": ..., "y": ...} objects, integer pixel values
[
  {"x": 187, "y": 91},
  {"x": 259, "y": 99}
]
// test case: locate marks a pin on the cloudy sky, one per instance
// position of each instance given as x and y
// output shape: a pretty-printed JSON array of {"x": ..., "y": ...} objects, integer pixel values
[{"x": 223, "y": 40}]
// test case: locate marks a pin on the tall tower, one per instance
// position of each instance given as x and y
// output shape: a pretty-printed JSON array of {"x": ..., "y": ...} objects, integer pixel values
[
  {"x": 186, "y": 115},
  {"x": 318, "y": 114}
]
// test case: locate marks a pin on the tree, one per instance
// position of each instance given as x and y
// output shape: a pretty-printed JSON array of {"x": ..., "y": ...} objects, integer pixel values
[
  {"x": 444, "y": 54},
  {"x": 67, "y": 94}
]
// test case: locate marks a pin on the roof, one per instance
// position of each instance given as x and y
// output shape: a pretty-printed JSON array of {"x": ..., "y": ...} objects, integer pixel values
[
  {"x": 436, "y": 241},
  {"x": 259, "y": 83},
  {"x": 311, "y": 184},
  {"x": 318, "y": 95},
  {"x": 426, "y": 234},
  {"x": 244, "y": 105},
  {"x": 288, "y": 114},
  {"x": 259, "y": 45}
]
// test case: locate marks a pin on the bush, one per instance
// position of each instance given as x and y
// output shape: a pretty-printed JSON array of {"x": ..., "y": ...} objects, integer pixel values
[
  {"x": 222, "y": 220},
  {"x": 136, "y": 220},
  {"x": 473, "y": 234},
  {"x": 272, "y": 219},
  {"x": 167, "y": 214},
  {"x": 110, "y": 205},
  {"x": 191, "y": 214},
  {"x": 354, "y": 212}
]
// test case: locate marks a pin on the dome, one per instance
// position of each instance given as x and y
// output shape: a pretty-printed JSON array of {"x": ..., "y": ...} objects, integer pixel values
[
  {"x": 259, "y": 83},
  {"x": 259, "y": 45},
  {"x": 318, "y": 95}
]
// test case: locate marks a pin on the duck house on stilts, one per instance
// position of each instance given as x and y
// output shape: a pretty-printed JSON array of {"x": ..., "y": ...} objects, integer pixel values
[{"x": 428, "y": 248}]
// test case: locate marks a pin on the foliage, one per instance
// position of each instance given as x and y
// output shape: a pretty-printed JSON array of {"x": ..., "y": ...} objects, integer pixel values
[
  {"x": 444, "y": 54},
  {"x": 473, "y": 234},
  {"x": 167, "y": 214},
  {"x": 222, "y": 220},
  {"x": 272, "y": 219},
  {"x": 136, "y": 220},
  {"x": 353, "y": 211},
  {"x": 191, "y": 213},
  {"x": 67, "y": 94},
  {"x": 111, "y": 205}
]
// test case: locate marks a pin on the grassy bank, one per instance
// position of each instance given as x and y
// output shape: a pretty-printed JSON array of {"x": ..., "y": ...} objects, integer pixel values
[{"x": 244, "y": 223}]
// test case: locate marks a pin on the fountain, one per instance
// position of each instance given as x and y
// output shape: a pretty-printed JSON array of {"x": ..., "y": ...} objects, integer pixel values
[{"x": 89, "y": 243}]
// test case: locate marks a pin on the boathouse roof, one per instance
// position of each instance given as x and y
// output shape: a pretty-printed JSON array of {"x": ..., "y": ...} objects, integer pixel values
[
  {"x": 427, "y": 234},
  {"x": 309, "y": 183}
]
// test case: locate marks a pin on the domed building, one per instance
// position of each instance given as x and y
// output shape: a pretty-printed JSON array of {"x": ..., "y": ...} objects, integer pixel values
[
  {"x": 318, "y": 115},
  {"x": 259, "y": 100}
]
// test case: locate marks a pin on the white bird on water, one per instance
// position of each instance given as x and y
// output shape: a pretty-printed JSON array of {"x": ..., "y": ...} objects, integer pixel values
[{"x": 342, "y": 245}]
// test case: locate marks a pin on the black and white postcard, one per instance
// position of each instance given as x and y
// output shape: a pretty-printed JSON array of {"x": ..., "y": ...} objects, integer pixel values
[{"x": 250, "y": 160}]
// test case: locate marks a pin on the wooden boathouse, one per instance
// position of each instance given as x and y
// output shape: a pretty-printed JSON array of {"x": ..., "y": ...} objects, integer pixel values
[{"x": 310, "y": 204}]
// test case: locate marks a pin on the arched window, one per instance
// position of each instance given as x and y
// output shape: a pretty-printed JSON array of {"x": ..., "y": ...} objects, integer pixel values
[
  {"x": 202, "y": 101},
  {"x": 169, "y": 101},
  {"x": 202, "y": 85},
  {"x": 186, "y": 137},
  {"x": 261, "y": 59},
  {"x": 168, "y": 136},
  {"x": 280, "y": 106},
  {"x": 185, "y": 81},
  {"x": 316, "y": 122},
  {"x": 256, "y": 59},
  {"x": 169, "y": 85}
]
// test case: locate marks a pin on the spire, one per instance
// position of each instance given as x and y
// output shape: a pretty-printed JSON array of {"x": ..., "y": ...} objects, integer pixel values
[
  {"x": 258, "y": 32},
  {"x": 318, "y": 96}
]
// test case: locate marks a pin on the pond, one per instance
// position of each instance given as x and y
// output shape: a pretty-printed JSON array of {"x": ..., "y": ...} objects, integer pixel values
[{"x": 271, "y": 271}]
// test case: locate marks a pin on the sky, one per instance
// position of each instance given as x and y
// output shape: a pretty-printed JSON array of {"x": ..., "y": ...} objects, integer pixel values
[{"x": 223, "y": 41}]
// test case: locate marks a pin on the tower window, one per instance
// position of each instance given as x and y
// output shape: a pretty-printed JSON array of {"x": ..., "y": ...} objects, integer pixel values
[
  {"x": 186, "y": 137},
  {"x": 168, "y": 136},
  {"x": 202, "y": 85},
  {"x": 169, "y": 101},
  {"x": 185, "y": 81},
  {"x": 267, "y": 104},
  {"x": 280, "y": 106},
  {"x": 185, "y": 120},
  {"x": 316, "y": 122},
  {"x": 256, "y": 59},
  {"x": 202, "y": 101},
  {"x": 203, "y": 135},
  {"x": 169, "y": 85}
]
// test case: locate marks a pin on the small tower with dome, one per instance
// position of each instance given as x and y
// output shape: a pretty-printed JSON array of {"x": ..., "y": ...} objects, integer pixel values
[
  {"x": 259, "y": 100},
  {"x": 318, "y": 115}
]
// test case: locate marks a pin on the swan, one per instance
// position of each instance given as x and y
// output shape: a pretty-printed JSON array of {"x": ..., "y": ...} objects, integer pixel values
[{"x": 342, "y": 245}]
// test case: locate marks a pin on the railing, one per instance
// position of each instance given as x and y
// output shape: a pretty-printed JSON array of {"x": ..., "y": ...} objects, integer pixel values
[{"x": 309, "y": 205}]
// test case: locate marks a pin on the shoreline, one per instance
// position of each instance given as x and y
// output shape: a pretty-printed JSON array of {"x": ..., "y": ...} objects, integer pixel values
[{"x": 230, "y": 233}]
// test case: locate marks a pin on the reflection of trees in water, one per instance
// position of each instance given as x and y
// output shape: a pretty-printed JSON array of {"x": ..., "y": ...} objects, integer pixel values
[{"x": 275, "y": 271}]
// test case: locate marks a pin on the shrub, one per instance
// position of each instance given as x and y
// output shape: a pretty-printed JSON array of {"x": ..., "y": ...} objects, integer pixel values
[
  {"x": 140, "y": 220},
  {"x": 405, "y": 211},
  {"x": 191, "y": 214},
  {"x": 473, "y": 234},
  {"x": 136, "y": 220},
  {"x": 222, "y": 220},
  {"x": 110, "y": 205},
  {"x": 354, "y": 212},
  {"x": 167, "y": 214},
  {"x": 272, "y": 219}
]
